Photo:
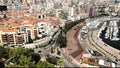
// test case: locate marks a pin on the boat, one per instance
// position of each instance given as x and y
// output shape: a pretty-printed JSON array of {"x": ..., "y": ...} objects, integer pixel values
[
  {"x": 107, "y": 35},
  {"x": 115, "y": 38}
]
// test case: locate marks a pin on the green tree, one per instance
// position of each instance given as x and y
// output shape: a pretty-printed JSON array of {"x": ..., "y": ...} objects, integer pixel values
[
  {"x": 30, "y": 40},
  {"x": 25, "y": 61},
  {"x": 2, "y": 63},
  {"x": 22, "y": 56},
  {"x": 14, "y": 66},
  {"x": 44, "y": 65},
  {"x": 35, "y": 57},
  {"x": 62, "y": 41},
  {"x": 60, "y": 62},
  {"x": 1, "y": 52},
  {"x": 4, "y": 52},
  {"x": 69, "y": 25},
  {"x": 52, "y": 60},
  {"x": 30, "y": 50}
]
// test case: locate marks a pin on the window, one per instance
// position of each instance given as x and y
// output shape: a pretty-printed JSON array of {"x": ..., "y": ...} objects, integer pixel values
[
  {"x": 42, "y": 24},
  {"x": 39, "y": 16},
  {"x": 42, "y": 28},
  {"x": 40, "y": 33}
]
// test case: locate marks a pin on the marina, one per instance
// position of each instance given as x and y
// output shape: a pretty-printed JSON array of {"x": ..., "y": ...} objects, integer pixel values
[
  {"x": 112, "y": 31},
  {"x": 111, "y": 34}
]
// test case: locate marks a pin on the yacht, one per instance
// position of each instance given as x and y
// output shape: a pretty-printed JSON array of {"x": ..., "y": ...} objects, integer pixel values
[
  {"x": 115, "y": 38},
  {"x": 108, "y": 31},
  {"x": 115, "y": 32},
  {"x": 107, "y": 35}
]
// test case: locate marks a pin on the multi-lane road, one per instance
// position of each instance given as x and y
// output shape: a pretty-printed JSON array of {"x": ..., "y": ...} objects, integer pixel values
[{"x": 93, "y": 42}]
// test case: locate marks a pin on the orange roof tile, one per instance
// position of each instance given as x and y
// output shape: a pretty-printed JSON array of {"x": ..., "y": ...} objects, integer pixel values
[
  {"x": 14, "y": 25},
  {"x": 31, "y": 27},
  {"x": 4, "y": 28},
  {"x": 26, "y": 22},
  {"x": 91, "y": 61},
  {"x": 42, "y": 20},
  {"x": 53, "y": 17},
  {"x": 10, "y": 30},
  {"x": 2, "y": 20},
  {"x": 53, "y": 23}
]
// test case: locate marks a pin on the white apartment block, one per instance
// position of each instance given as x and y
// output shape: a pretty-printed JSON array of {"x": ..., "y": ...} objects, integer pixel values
[{"x": 45, "y": 28}]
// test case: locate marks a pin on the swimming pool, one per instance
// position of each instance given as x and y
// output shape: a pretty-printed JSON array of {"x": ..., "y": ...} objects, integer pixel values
[{"x": 94, "y": 25}]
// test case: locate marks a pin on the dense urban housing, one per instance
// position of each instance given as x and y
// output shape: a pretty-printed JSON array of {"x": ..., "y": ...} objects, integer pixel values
[{"x": 59, "y": 33}]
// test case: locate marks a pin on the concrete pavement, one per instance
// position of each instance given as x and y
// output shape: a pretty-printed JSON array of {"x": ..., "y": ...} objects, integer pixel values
[{"x": 74, "y": 49}]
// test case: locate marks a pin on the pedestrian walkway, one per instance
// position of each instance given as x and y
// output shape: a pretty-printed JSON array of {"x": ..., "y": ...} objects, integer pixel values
[{"x": 74, "y": 48}]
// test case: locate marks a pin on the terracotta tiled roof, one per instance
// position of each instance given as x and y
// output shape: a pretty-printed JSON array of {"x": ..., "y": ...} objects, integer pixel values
[
  {"x": 53, "y": 17},
  {"x": 26, "y": 21},
  {"x": 5, "y": 29},
  {"x": 22, "y": 21},
  {"x": 14, "y": 25},
  {"x": 42, "y": 20},
  {"x": 2, "y": 20},
  {"x": 53, "y": 23},
  {"x": 31, "y": 27},
  {"x": 10, "y": 30},
  {"x": 91, "y": 61}
]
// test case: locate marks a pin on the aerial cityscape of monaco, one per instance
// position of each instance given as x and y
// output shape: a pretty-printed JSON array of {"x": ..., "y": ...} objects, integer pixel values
[{"x": 59, "y": 33}]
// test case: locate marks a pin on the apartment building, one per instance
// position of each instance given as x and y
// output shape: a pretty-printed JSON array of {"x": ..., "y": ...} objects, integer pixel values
[
  {"x": 82, "y": 11},
  {"x": 45, "y": 28},
  {"x": 17, "y": 31},
  {"x": 12, "y": 37},
  {"x": 32, "y": 31}
]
